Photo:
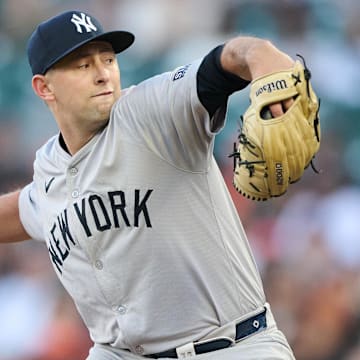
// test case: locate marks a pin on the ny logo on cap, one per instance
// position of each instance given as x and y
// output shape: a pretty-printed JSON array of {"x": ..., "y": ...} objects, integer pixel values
[{"x": 84, "y": 21}]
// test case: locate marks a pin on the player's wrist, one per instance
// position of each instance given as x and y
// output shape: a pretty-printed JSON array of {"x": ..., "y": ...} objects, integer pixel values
[{"x": 263, "y": 58}]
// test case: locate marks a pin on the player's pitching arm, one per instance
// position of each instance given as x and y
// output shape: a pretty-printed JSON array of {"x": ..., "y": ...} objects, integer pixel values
[
  {"x": 11, "y": 229},
  {"x": 251, "y": 58}
]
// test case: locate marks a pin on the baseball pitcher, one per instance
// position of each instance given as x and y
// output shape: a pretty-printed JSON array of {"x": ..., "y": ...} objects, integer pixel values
[{"x": 131, "y": 205}]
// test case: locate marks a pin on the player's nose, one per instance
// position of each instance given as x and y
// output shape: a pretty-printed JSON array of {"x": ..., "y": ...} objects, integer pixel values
[{"x": 102, "y": 74}]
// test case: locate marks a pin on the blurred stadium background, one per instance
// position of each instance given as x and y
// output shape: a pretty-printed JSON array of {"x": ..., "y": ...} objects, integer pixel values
[{"x": 307, "y": 243}]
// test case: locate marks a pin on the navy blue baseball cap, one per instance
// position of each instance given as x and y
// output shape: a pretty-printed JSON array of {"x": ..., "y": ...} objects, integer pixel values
[{"x": 60, "y": 35}]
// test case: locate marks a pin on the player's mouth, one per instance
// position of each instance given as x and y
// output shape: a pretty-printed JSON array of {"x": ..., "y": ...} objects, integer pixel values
[{"x": 104, "y": 93}]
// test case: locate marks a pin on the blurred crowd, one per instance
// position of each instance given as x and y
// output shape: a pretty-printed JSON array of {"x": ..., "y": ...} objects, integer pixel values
[{"x": 307, "y": 243}]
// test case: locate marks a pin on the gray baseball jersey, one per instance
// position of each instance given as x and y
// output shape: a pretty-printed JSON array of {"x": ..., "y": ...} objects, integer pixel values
[{"x": 139, "y": 225}]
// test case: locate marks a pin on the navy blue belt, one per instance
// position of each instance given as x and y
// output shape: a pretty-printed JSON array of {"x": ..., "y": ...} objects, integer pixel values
[{"x": 243, "y": 329}]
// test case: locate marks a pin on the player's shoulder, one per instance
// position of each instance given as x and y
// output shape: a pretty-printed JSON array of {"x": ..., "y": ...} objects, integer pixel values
[
  {"x": 158, "y": 86},
  {"x": 173, "y": 76}
]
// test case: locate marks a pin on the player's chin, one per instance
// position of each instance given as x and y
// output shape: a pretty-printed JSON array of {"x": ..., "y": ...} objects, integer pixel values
[
  {"x": 104, "y": 110},
  {"x": 103, "y": 118}
]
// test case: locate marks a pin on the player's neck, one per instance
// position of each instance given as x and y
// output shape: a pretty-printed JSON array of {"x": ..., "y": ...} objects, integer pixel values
[
  {"x": 72, "y": 141},
  {"x": 77, "y": 132}
]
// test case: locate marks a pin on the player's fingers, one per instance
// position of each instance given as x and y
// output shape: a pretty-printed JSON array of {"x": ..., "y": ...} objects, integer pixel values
[
  {"x": 287, "y": 103},
  {"x": 276, "y": 110}
]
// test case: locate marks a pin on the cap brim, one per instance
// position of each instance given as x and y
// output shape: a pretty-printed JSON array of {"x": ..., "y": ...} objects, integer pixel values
[{"x": 120, "y": 41}]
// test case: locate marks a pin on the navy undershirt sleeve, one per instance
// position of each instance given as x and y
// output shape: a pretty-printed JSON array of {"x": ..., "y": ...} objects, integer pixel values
[{"x": 214, "y": 84}]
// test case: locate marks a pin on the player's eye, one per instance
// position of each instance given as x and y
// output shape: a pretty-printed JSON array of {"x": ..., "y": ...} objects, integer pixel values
[{"x": 83, "y": 66}]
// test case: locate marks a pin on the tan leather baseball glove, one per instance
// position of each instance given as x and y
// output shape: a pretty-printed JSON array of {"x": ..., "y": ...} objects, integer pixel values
[{"x": 272, "y": 153}]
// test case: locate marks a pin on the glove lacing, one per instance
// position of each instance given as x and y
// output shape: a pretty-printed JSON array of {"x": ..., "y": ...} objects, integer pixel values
[
  {"x": 307, "y": 76},
  {"x": 249, "y": 165}
]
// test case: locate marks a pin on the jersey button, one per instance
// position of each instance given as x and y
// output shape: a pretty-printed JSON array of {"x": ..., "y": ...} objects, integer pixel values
[
  {"x": 99, "y": 265},
  {"x": 121, "y": 309},
  {"x": 139, "y": 349},
  {"x": 73, "y": 171},
  {"x": 75, "y": 193}
]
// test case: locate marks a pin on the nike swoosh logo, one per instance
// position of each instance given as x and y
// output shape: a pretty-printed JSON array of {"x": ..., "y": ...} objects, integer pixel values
[{"x": 47, "y": 185}]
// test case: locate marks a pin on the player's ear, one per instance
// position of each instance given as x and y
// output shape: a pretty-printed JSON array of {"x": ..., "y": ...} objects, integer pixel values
[{"x": 41, "y": 87}]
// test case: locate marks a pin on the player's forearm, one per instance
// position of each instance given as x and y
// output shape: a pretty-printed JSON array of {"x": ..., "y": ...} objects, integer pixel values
[
  {"x": 11, "y": 229},
  {"x": 250, "y": 57}
]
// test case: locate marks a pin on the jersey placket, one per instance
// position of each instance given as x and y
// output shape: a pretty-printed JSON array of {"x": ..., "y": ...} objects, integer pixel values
[{"x": 71, "y": 183}]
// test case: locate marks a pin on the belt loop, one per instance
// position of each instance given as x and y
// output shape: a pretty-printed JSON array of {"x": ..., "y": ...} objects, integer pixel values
[{"x": 186, "y": 351}]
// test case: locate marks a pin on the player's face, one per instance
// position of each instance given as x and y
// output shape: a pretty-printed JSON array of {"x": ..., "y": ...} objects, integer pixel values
[{"x": 85, "y": 84}]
